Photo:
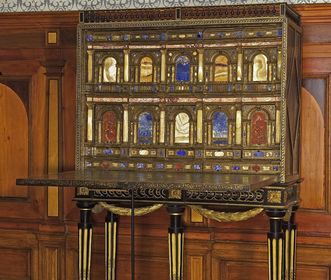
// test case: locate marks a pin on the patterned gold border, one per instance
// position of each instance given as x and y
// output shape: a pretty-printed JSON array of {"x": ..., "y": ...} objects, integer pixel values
[{"x": 74, "y": 5}]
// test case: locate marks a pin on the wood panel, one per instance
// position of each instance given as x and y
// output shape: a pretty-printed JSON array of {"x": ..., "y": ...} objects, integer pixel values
[
  {"x": 312, "y": 153},
  {"x": 14, "y": 141},
  {"x": 15, "y": 258}
]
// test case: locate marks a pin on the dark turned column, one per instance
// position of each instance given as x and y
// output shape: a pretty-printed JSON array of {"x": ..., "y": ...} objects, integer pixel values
[
  {"x": 276, "y": 244},
  {"x": 290, "y": 232},
  {"x": 111, "y": 223},
  {"x": 176, "y": 242},
  {"x": 84, "y": 240}
]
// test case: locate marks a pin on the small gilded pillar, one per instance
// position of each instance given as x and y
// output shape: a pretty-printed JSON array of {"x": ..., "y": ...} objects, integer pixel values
[
  {"x": 162, "y": 125},
  {"x": 84, "y": 240},
  {"x": 126, "y": 65},
  {"x": 125, "y": 124},
  {"x": 163, "y": 65},
  {"x": 290, "y": 233},
  {"x": 276, "y": 244},
  {"x": 200, "y": 66},
  {"x": 199, "y": 124},
  {"x": 111, "y": 223},
  {"x": 89, "y": 130},
  {"x": 238, "y": 127},
  {"x": 90, "y": 66},
  {"x": 176, "y": 242}
]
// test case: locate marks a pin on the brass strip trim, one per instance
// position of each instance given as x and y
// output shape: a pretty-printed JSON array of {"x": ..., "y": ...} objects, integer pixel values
[
  {"x": 80, "y": 249},
  {"x": 293, "y": 245},
  {"x": 89, "y": 254},
  {"x": 280, "y": 258},
  {"x": 85, "y": 232},
  {"x": 269, "y": 257},
  {"x": 114, "y": 234},
  {"x": 287, "y": 252},
  {"x": 274, "y": 259}
]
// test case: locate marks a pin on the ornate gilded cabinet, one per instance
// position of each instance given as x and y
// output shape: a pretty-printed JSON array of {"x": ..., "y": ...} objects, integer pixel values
[
  {"x": 188, "y": 106},
  {"x": 190, "y": 90}
]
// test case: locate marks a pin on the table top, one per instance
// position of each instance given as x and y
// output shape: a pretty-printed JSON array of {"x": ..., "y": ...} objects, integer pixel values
[{"x": 160, "y": 180}]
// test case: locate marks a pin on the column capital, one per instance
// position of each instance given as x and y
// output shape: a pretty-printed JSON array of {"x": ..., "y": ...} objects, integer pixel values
[{"x": 54, "y": 68}]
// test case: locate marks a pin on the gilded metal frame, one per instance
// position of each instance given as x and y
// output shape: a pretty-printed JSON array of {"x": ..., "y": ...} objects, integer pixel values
[{"x": 82, "y": 64}]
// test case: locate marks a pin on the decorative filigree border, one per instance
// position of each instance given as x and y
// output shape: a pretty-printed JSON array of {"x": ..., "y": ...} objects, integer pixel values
[{"x": 76, "y": 5}]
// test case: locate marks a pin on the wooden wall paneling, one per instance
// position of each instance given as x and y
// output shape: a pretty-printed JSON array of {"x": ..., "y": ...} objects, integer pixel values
[
  {"x": 250, "y": 257},
  {"x": 312, "y": 153},
  {"x": 14, "y": 141},
  {"x": 71, "y": 253},
  {"x": 53, "y": 91},
  {"x": 52, "y": 257},
  {"x": 197, "y": 261},
  {"x": 68, "y": 109},
  {"x": 32, "y": 206},
  {"x": 312, "y": 272},
  {"x": 20, "y": 249}
]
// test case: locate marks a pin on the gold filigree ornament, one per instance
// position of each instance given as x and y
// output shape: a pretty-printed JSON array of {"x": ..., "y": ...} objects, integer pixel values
[
  {"x": 124, "y": 211},
  {"x": 226, "y": 216}
]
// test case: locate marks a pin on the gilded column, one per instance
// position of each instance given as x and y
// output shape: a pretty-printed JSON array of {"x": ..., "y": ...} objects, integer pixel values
[
  {"x": 162, "y": 125},
  {"x": 163, "y": 65},
  {"x": 126, "y": 65},
  {"x": 290, "y": 233},
  {"x": 276, "y": 244},
  {"x": 238, "y": 127},
  {"x": 125, "y": 124},
  {"x": 90, "y": 66},
  {"x": 89, "y": 130},
  {"x": 176, "y": 242},
  {"x": 200, "y": 66},
  {"x": 199, "y": 124},
  {"x": 111, "y": 223},
  {"x": 84, "y": 240}
]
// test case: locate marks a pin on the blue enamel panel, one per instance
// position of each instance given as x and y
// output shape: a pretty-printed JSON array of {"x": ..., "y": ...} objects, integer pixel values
[
  {"x": 89, "y": 38},
  {"x": 140, "y": 165},
  {"x": 160, "y": 165},
  {"x": 259, "y": 154},
  {"x": 183, "y": 69},
  {"x": 181, "y": 153},
  {"x": 145, "y": 128},
  {"x": 220, "y": 128},
  {"x": 217, "y": 168},
  {"x": 197, "y": 166},
  {"x": 108, "y": 152}
]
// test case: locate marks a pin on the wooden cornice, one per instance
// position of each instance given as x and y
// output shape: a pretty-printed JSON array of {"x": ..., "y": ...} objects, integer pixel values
[
  {"x": 42, "y": 20},
  {"x": 317, "y": 13}
]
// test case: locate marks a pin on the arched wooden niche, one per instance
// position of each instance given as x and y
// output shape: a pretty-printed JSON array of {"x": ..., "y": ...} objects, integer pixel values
[
  {"x": 259, "y": 128},
  {"x": 260, "y": 68},
  {"x": 14, "y": 143},
  {"x": 110, "y": 70},
  {"x": 145, "y": 128},
  {"x": 221, "y": 69},
  {"x": 146, "y": 70},
  {"x": 182, "y": 128},
  {"x": 220, "y": 127}
]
